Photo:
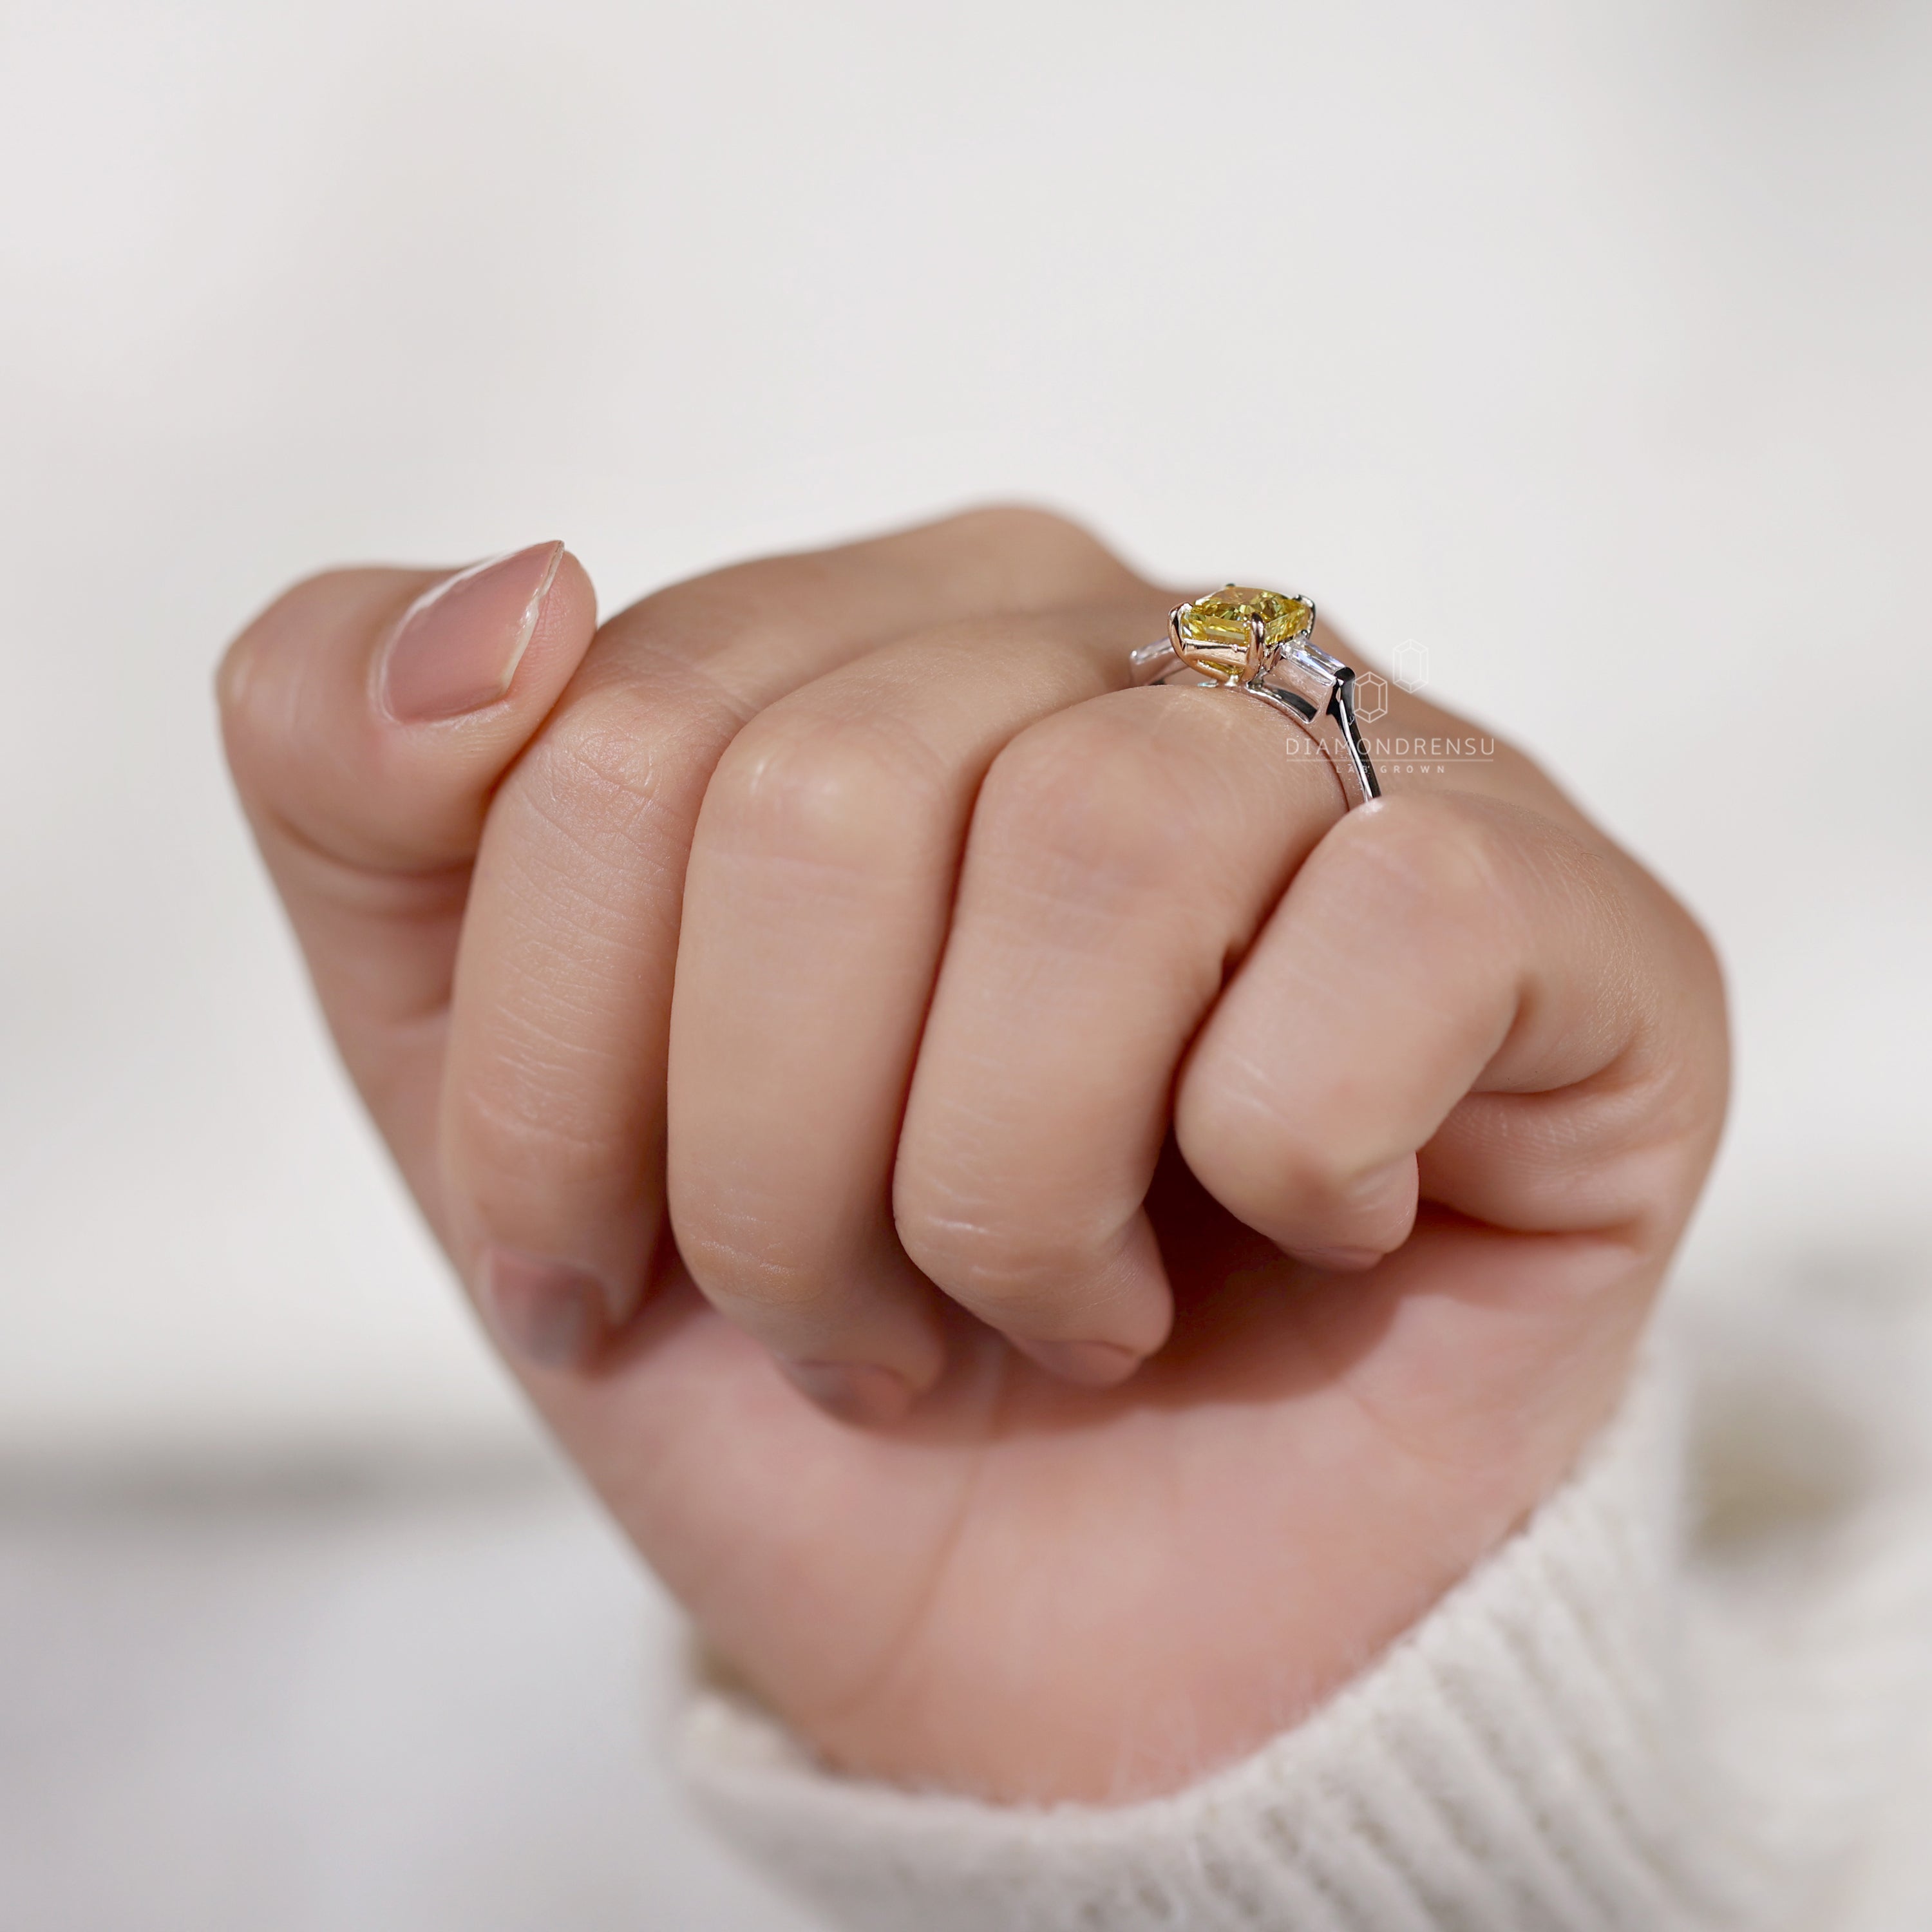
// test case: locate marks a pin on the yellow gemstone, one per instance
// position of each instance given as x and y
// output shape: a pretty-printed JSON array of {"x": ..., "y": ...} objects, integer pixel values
[{"x": 1217, "y": 633}]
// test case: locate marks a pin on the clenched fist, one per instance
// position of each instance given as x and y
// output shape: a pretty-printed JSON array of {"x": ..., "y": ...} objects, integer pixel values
[{"x": 1054, "y": 1240}]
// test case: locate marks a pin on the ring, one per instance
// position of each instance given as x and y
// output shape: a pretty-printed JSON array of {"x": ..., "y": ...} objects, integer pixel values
[{"x": 1258, "y": 641}]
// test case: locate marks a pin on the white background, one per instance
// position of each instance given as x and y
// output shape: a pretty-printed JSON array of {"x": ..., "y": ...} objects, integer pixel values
[{"x": 1585, "y": 345}]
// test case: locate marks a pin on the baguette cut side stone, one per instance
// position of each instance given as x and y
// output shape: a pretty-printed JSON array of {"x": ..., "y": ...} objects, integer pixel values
[{"x": 1217, "y": 633}]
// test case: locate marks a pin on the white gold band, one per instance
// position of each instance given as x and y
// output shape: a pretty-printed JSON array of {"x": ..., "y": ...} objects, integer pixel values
[{"x": 1293, "y": 674}]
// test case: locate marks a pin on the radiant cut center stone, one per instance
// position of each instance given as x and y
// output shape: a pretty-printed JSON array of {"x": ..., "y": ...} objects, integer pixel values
[{"x": 1217, "y": 633}]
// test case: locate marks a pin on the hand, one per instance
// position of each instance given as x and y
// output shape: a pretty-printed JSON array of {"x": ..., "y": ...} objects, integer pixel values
[{"x": 1218, "y": 1220}]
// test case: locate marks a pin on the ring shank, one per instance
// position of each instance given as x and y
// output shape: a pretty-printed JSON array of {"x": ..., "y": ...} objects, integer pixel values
[{"x": 1333, "y": 727}]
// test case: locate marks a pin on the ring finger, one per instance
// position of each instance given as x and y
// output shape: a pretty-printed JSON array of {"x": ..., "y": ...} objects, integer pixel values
[{"x": 1123, "y": 854}]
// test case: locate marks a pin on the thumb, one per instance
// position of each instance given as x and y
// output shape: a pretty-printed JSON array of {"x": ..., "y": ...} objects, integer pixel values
[{"x": 368, "y": 716}]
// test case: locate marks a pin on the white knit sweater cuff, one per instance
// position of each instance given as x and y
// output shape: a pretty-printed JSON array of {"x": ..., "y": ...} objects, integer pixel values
[{"x": 1541, "y": 1751}]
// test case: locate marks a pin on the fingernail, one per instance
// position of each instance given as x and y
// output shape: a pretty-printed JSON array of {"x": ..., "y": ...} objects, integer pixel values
[
  {"x": 459, "y": 644},
  {"x": 1337, "y": 1260},
  {"x": 857, "y": 1392},
  {"x": 1091, "y": 1364},
  {"x": 550, "y": 1314}
]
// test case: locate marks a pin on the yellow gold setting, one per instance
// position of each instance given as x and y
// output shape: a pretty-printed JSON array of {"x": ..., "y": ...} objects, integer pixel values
[
  {"x": 1238, "y": 634},
  {"x": 1262, "y": 643}
]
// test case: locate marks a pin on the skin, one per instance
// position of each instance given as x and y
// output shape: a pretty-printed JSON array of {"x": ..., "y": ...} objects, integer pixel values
[{"x": 1207, "y": 1223}]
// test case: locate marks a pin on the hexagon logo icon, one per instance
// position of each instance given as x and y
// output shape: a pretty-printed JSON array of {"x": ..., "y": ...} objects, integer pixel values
[
  {"x": 1411, "y": 665},
  {"x": 1371, "y": 696}
]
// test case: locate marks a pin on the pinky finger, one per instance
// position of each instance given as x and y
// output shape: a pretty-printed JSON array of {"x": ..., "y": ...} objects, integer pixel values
[{"x": 1464, "y": 1000}]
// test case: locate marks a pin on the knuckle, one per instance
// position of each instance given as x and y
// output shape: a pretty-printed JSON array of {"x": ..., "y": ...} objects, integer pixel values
[
  {"x": 1441, "y": 871},
  {"x": 1421, "y": 851},
  {"x": 1009, "y": 1273},
  {"x": 741, "y": 1266},
  {"x": 622, "y": 768},
  {"x": 1041, "y": 553},
  {"x": 1030, "y": 524},
  {"x": 1079, "y": 799},
  {"x": 601, "y": 750},
  {"x": 1268, "y": 1144},
  {"x": 521, "y": 1148},
  {"x": 842, "y": 792},
  {"x": 687, "y": 625},
  {"x": 1470, "y": 870},
  {"x": 1226, "y": 1119},
  {"x": 1236, "y": 1134},
  {"x": 1024, "y": 520}
]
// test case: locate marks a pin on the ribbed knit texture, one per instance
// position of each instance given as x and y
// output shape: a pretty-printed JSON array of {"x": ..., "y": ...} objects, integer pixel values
[{"x": 1614, "y": 1722}]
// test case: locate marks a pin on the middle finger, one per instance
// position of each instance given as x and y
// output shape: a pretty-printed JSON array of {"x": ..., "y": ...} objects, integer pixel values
[{"x": 821, "y": 882}]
